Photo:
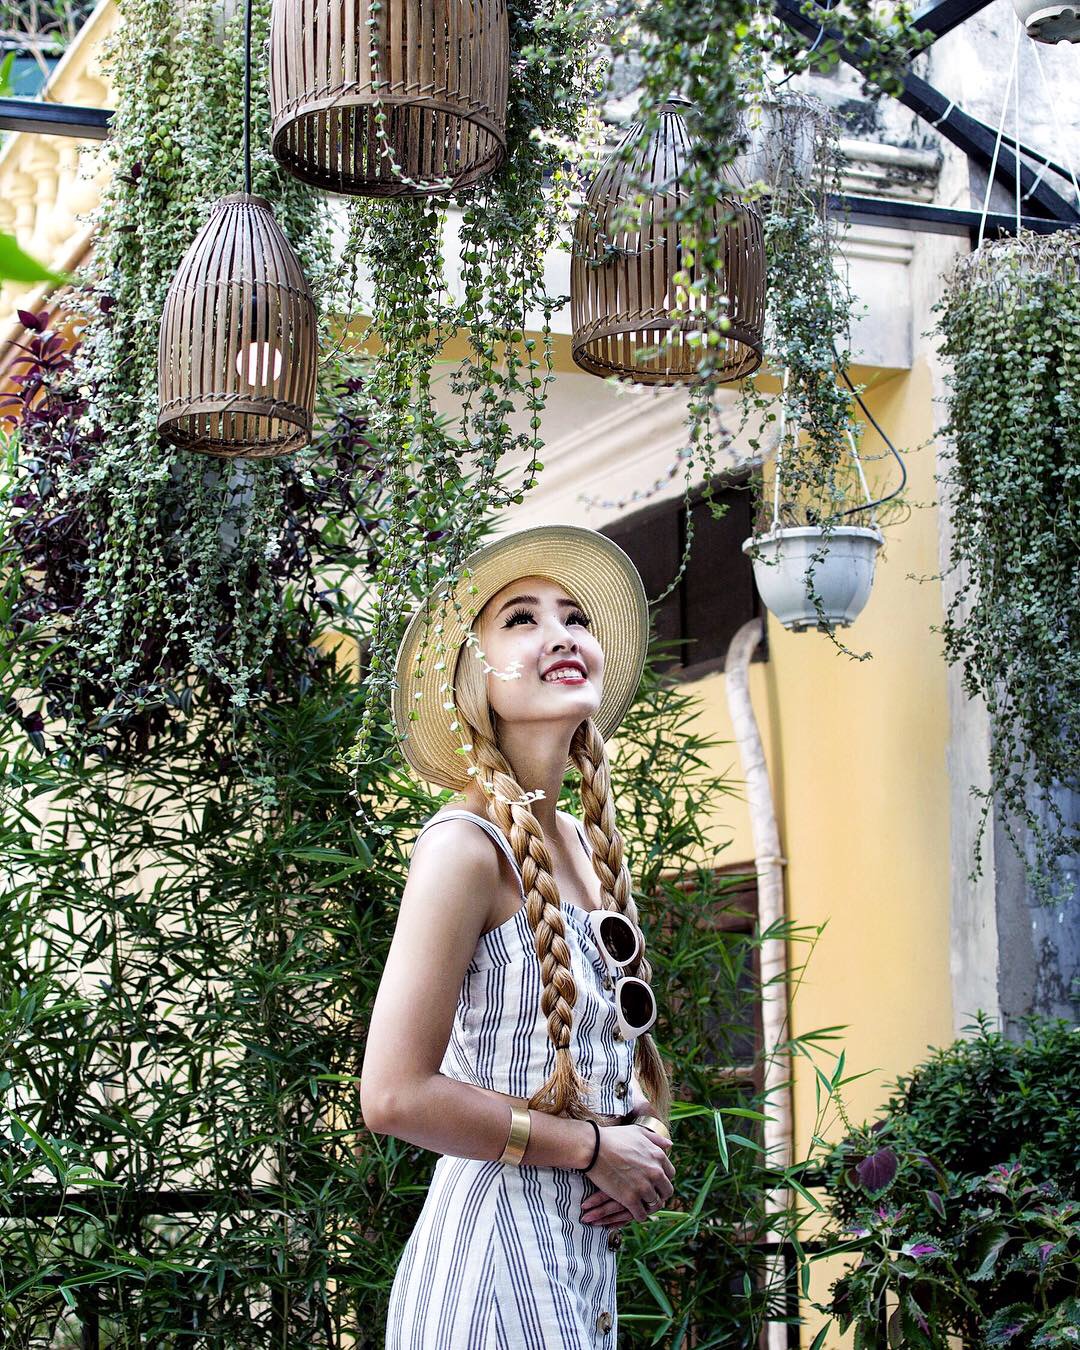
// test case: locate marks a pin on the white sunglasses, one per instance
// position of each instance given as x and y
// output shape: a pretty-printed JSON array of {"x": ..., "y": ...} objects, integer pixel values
[{"x": 620, "y": 942}]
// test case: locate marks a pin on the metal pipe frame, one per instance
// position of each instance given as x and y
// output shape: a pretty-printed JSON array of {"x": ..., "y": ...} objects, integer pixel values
[
  {"x": 54, "y": 119},
  {"x": 975, "y": 138}
]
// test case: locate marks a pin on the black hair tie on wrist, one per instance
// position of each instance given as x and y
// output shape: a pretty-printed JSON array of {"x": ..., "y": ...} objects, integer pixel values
[{"x": 596, "y": 1148}]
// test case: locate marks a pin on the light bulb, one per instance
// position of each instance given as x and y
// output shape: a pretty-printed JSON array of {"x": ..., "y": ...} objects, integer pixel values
[{"x": 259, "y": 363}]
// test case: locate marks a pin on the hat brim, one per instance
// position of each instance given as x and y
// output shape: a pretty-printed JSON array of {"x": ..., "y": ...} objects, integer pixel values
[{"x": 595, "y": 571}]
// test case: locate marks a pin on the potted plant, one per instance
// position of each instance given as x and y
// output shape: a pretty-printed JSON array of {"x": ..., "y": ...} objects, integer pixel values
[
  {"x": 817, "y": 535},
  {"x": 962, "y": 1200}
]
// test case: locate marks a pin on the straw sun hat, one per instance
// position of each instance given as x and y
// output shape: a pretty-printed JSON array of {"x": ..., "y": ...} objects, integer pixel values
[{"x": 595, "y": 572}]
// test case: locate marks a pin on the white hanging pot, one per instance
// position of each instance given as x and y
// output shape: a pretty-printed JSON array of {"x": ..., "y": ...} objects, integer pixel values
[
  {"x": 1049, "y": 22},
  {"x": 842, "y": 578}
]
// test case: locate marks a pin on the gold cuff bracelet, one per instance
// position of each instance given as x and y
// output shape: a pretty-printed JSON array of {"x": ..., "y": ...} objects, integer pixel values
[
  {"x": 518, "y": 1139},
  {"x": 654, "y": 1123}
]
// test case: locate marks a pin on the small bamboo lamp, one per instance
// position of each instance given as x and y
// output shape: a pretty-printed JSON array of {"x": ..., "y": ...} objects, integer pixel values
[
  {"x": 439, "y": 71},
  {"x": 622, "y": 288},
  {"x": 238, "y": 343},
  {"x": 237, "y": 348}
]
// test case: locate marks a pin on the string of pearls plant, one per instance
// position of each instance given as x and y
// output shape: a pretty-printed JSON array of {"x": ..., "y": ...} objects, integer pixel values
[
  {"x": 1009, "y": 321},
  {"x": 709, "y": 52},
  {"x": 179, "y": 575},
  {"x": 480, "y": 460}
]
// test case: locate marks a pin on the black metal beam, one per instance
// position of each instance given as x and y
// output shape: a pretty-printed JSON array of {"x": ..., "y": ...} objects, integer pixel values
[
  {"x": 977, "y": 140},
  {"x": 901, "y": 215},
  {"x": 943, "y": 16},
  {"x": 54, "y": 119},
  {"x": 968, "y": 133}
]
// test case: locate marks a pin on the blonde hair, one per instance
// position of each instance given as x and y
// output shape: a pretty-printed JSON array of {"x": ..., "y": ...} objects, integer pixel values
[{"x": 564, "y": 1092}]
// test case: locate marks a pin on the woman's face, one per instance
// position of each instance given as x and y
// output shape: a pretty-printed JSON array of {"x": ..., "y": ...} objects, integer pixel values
[{"x": 538, "y": 624}]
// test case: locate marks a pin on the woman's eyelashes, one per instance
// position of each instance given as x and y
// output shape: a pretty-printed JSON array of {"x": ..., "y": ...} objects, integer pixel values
[{"x": 575, "y": 616}]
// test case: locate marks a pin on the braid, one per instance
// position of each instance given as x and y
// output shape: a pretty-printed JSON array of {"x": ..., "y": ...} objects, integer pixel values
[
  {"x": 589, "y": 754},
  {"x": 564, "y": 1093}
]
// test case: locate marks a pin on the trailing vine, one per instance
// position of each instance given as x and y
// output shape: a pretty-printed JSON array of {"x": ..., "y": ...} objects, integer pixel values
[
  {"x": 809, "y": 318},
  {"x": 180, "y": 557},
  {"x": 1009, "y": 320},
  {"x": 179, "y": 586},
  {"x": 328, "y": 530},
  {"x": 486, "y": 296},
  {"x": 694, "y": 47},
  {"x": 718, "y": 56},
  {"x": 810, "y": 310}
]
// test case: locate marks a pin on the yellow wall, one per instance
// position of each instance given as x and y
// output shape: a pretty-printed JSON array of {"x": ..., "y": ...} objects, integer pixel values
[{"x": 856, "y": 754}]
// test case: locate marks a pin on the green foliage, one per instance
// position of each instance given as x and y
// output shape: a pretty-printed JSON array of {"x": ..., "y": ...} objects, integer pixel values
[
  {"x": 815, "y": 479},
  {"x": 505, "y": 227},
  {"x": 155, "y": 512},
  {"x": 184, "y": 970},
  {"x": 708, "y": 52},
  {"x": 984, "y": 1100},
  {"x": 993, "y": 1261},
  {"x": 177, "y": 586},
  {"x": 190, "y": 946},
  {"x": 17, "y": 265},
  {"x": 961, "y": 1200},
  {"x": 810, "y": 314},
  {"x": 1009, "y": 322},
  {"x": 163, "y": 605}
]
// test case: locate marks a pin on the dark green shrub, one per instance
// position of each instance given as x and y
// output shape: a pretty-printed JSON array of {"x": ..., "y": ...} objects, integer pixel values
[{"x": 980, "y": 1101}]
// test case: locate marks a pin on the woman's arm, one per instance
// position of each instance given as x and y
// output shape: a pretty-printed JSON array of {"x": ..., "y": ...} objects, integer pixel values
[{"x": 453, "y": 873}]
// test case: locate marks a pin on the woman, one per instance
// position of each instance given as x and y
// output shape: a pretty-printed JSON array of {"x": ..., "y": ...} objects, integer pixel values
[{"x": 512, "y": 1017}]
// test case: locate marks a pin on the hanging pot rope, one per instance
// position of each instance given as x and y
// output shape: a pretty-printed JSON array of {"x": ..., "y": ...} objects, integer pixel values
[
  {"x": 997, "y": 143},
  {"x": 878, "y": 501},
  {"x": 780, "y": 450},
  {"x": 871, "y": 502}
]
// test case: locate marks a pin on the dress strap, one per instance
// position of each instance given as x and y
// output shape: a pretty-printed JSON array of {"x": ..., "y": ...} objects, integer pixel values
[
  {"x": 581, "y": 832},
  {"x": 495, "y": 833}
]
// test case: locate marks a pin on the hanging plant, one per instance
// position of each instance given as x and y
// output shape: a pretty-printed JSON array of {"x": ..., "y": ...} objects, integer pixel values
[
  {"x": 488, "y": 293},
  {"x": 712, "y": 54},
  {"x": 1009, "y": 320},
  {"x": 328, "y": 508},
  {"x": 816, "y": 531},
  {"x": 176, "y": 594}
]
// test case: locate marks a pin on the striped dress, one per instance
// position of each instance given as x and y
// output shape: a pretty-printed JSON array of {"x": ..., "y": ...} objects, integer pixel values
[{"x": 499, "y": 1258}]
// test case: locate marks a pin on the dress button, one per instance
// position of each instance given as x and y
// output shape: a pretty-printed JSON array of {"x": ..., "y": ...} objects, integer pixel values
[
  {"x": 609, "y": 983},
  {"x": 603, "y": 1322},
  {"x": 614, "y": 1239},
  {"x": 620, "y": 1088}
]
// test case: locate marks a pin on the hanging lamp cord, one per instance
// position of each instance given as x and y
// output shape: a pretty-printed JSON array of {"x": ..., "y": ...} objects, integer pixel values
[{"x": 247, "y": 96}]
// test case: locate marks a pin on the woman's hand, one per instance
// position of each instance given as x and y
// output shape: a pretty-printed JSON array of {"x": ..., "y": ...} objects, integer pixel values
[{"x": 632, "y": 1174}]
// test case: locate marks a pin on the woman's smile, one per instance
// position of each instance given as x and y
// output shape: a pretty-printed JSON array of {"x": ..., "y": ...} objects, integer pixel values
[{"x": 565, "y": 672}]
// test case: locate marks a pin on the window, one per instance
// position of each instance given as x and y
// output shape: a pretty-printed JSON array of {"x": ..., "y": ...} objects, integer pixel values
[{"x": 716, "y": 594}]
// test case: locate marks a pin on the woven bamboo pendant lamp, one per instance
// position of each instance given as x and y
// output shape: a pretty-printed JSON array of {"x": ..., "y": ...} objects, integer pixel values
[
  {"x": 237, "y": 347},
  {"x": 238, "y": 343},
  {"x": 620, "y": 304},
  {"x": 442, "y": 71}
]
